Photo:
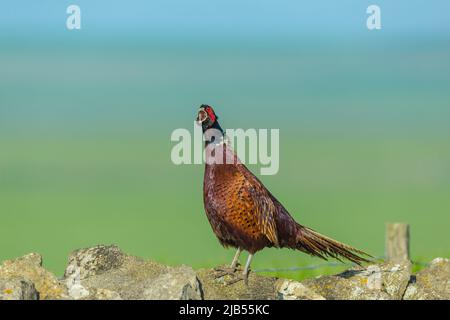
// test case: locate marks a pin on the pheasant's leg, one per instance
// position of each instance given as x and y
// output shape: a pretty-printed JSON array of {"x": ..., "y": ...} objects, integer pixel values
[
  {"x": 247, "y": 268},
  {"x": 229, "y": 271},
  {"x": 244, "y": 275},
  {"x": 235, "y": 259}
]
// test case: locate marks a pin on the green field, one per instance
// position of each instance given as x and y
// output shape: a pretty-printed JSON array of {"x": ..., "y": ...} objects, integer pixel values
[
  {"x": 85, "y": 146},
  {"x": 60, "y": 194}
]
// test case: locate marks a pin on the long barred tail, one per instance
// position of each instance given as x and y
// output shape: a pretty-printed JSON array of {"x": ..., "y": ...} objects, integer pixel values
[{"x": 313, "y": 243}]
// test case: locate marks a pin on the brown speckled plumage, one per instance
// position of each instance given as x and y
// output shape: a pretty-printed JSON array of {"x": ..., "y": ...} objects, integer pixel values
[{"x": 244, "y": 214}]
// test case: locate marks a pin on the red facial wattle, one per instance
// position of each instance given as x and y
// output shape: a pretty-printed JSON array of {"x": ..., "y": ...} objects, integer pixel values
[{"x": 211, "y": 114}]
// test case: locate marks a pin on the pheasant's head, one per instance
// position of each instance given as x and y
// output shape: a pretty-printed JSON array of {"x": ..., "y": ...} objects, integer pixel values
[{"x": 207, "y": 118}]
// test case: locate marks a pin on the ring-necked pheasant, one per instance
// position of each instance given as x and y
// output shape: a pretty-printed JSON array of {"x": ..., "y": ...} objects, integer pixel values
[{"x": 245, "y": 215}]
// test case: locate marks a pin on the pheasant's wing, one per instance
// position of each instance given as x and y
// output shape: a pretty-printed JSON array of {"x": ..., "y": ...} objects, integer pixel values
[{"x": 264, "y": 209}]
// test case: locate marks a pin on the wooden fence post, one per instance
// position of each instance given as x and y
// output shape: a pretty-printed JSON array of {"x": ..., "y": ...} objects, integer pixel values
[{"x": 397, "y": 242}]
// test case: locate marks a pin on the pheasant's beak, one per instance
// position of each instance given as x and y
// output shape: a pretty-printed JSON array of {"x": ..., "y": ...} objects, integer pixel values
[{"x": 202, "y": 116}]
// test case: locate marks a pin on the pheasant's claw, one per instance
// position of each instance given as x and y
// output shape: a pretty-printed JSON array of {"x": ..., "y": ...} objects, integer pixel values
[
  {"x": 232, "y": 276},
  {"x": 224, "y": 271}
]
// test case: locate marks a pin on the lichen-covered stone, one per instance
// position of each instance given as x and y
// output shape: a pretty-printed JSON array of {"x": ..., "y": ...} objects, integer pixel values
[
  {"x": 105, "y": 271},
  {"x": 92, "y": 261},
  {"x": 103, "y": 294},
  {"x": 432, "y": 283},
  {"x": 259, "y": 287},
  {"x": 294, "y": 290},
  {"x": 17, "y": 289},
  {"x": 29, "y": 268},
  {"x": 176, "y": 284},
  {"x": 387, "y": 281}
]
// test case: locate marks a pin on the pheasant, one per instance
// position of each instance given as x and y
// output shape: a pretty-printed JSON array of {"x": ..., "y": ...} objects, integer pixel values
[{"x": 245, "y": 215}]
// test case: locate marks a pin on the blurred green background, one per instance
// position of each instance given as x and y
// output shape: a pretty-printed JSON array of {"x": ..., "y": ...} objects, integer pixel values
[{"x": 86, "y": 118}]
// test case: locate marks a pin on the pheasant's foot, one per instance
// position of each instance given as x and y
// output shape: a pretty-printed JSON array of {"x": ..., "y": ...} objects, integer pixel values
[
  {"x": 236, "y": 278},
  {"x": 230, "y": 276},
  {"x": 224, "y": 271}
]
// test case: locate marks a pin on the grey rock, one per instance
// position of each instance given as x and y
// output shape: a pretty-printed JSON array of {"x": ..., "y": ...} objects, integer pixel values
[
  {"x": 18, "y": 289},
  {"x": 177, "y": 284},
  {"x": 104, "y": 294},
  {"x": 29, "y": 268},
  {"x": 258, "y": 288},
  {"x": 93, "y": 261},
  {"x": 294, "y": 290},
  {"x": 104, "y": 272},
  {"x": 386, "y": 281},
  {"x": 432, "y": 283}
]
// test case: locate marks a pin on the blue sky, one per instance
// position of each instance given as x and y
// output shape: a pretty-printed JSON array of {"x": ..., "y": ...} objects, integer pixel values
[{"x": 234, "y": 18}]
